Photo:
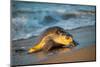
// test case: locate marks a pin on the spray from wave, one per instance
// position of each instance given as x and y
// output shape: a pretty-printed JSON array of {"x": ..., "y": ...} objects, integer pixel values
[{"x": 30, "y": 19}]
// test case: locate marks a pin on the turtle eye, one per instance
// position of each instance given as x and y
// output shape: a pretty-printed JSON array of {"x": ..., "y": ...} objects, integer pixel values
[{"x": 62, "y": 34}]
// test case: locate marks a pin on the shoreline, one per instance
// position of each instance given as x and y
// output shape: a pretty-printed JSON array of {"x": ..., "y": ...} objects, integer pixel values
[
  {"x": 86, "y": 51},
  {"x": 66, "y": 30}
]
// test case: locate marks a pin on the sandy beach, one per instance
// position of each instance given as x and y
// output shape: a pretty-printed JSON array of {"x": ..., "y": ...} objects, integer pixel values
[
  {"x": 84, "y": 54},
  {"x": 85, "y": 51}
]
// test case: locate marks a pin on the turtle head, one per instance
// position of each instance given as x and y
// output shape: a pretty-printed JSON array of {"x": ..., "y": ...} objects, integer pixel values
[
  {"x": 69, "y": 41},
  {"x": 65, "y": 39}
]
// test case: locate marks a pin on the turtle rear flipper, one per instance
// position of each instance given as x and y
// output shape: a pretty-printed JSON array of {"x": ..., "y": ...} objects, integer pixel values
[{"x": 48, "y": 46}]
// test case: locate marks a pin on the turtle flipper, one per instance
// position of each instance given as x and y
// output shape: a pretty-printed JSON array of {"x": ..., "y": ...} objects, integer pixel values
[{"x": 48, "y": 46}]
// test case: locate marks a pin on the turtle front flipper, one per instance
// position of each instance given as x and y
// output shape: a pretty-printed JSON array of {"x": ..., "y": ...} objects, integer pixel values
[
  {"x": 39, "y": 45},
  {"x": 36, "y": 48}
]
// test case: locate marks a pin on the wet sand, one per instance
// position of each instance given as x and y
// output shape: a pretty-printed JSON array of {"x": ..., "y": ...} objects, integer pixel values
[
  {"x": 85, "y": 51},
  {"x": 84, "y": 54}
]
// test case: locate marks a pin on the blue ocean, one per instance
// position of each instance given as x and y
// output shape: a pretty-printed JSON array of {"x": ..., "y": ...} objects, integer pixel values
[{"x": 32, "y": 18}]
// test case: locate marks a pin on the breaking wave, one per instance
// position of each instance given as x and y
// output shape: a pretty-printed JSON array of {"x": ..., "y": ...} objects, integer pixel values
[{"x": 30, "y": 19}]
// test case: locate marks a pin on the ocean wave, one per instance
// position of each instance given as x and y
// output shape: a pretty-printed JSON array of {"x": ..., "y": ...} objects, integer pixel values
[{"x": 30, "y": 19}]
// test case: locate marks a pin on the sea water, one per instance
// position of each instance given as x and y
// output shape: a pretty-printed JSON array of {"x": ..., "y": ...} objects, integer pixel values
[{"x": 31, "y": 18}]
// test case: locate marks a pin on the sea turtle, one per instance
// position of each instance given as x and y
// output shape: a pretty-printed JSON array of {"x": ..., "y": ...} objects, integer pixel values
[{"x": 53, "y": 37}]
